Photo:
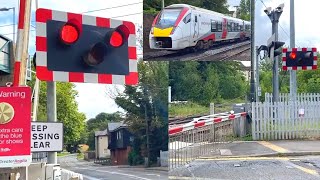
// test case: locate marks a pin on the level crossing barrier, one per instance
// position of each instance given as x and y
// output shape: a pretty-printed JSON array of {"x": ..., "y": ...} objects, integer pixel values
[{"x": 197, "y": 138}]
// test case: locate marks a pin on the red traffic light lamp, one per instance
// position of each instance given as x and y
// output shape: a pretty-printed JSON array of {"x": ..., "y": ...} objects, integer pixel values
[
  {"x": 70, "y": 32},
  {"x": 117, "y": 37},
  {"x": 293, "y": 55}
]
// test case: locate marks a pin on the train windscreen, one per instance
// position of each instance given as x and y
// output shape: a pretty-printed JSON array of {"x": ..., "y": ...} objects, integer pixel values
[{"x": 168, "y": 17}]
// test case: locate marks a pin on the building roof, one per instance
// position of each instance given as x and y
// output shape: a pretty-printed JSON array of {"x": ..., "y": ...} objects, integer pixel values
[
  {"x": 111, "y": 127},
  {"x": 101, "y": 133}
]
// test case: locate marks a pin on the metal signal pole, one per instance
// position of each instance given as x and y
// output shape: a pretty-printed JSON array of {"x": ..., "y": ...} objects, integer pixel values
[
  {"x": 51, "y": 109},
  {"x": 162, "y": 4},
  {"x": 274, "y": 16},
  {"x": 293, "y": 74},
  {"x": 252, "y": 88}
]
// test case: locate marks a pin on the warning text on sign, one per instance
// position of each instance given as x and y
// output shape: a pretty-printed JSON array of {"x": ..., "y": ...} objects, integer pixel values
[{"x": 46, "y": 137}]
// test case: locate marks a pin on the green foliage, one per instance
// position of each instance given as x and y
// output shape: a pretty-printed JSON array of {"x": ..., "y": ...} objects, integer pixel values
[
  {"x": 187, "y": 109},
  {"x": 145, "y": 104},
  {"x": 67, "y": 111},
  {"x": 134, "y": 158},
  {"x": 100, "y": 123},
  {"x": 206, "y": 82},
  {"x": 244, "y": 10},
  {"x": 216, "y": 5}
]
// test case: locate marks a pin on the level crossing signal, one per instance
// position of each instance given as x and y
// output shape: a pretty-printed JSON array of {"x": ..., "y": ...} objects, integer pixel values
[
  {"x": 299, "y": 59},
  {"x": 78, "y": 48},
  {"x": 277, "y": 45}
]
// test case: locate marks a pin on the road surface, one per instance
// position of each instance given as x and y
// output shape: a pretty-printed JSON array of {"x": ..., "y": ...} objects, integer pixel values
[
  {"x": 257, "y": 168},
  {"x": 91, "y": 171}
]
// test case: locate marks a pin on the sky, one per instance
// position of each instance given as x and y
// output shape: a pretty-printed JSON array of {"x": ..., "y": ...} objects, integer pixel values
[
  {"x": 93, "y": 98},
  {"x": 306, "y": 27}
]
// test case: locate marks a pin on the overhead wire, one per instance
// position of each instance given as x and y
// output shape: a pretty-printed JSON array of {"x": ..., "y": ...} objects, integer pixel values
[{"x": 112, "y": 7}]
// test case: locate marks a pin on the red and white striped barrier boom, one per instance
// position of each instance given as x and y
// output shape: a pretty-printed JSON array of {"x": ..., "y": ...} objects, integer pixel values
[{"x": 205, "y": 121}]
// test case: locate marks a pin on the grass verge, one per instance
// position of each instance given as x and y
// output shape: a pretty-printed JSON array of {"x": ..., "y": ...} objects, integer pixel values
[
  {"x": 63, "y": 154},
  {"x": 80, "y": 156},
  {"x": 177, "y": 110}
]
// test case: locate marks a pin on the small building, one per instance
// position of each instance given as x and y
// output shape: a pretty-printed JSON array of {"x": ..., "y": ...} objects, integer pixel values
[
  {"x": 102, "y": 140},
  {"x": 101, "y": 144},
  {"x": 120, "y": 144}
]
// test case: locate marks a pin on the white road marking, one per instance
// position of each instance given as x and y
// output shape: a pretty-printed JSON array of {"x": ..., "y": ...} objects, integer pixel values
[
  {"x": 124, "y": 174},
  {"x": 89, "y": 177}
]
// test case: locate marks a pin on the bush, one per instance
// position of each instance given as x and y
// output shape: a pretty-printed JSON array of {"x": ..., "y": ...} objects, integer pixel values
[{"x": 134, "y": 158}]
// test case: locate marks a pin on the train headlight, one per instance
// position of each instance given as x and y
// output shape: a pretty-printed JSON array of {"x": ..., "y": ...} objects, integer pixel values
[{"x": 152, "y": 30}]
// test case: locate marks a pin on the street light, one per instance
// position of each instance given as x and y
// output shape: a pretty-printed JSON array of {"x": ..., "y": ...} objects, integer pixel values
[{"x": 14, "y": 20}]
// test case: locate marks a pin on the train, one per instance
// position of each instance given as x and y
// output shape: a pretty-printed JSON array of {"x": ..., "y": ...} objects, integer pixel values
[{"x": 182, "y": 26}]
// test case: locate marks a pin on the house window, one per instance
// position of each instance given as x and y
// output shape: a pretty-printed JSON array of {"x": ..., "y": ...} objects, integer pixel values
[{"x": 119, "y": 135}]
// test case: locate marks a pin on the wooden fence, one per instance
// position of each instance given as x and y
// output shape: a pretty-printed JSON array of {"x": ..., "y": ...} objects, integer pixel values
[{"x": 287, "y": 119}]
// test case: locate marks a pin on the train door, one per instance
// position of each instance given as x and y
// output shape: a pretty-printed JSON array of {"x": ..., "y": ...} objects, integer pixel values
[
  {"x": 187, "y": 29},
  {"x": 195, "y": 27},
  {"x": 224, "y": 28}
]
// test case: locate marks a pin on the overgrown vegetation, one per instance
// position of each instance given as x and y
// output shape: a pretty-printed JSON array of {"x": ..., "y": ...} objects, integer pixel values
[
  {"x": 67, "y": 111},
  {"x": 146, "y": 104}
]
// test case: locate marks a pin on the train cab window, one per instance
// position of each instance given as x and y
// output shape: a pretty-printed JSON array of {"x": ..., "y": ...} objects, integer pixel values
[
  {"x": 232, "y": 27},
  {"x": 219, "y": 26},
  {"x": 187, "y": 19},
  {"x": 213, "y": 26}
]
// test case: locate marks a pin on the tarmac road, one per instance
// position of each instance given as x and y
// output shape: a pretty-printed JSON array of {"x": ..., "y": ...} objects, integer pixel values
[
  {"x": 91, "y": 171},
  {"x": 254, "y": 168}
]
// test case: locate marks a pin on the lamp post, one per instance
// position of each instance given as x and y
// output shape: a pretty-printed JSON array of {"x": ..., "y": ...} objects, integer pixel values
[{"x": 14, "y": 20}]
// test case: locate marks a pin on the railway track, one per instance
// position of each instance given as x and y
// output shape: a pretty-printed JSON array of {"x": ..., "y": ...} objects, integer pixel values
[{"x": 205, "y": 55}]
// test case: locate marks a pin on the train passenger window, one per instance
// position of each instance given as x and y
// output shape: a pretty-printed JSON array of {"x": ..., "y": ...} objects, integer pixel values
[
  {"x": 241, "y": 27},
  {"x": 187, "y": 19},
  {"x": 195, "y": 19},
  {"x": 236, "y": 27},
  {"x": 229, "y": 27},
  {"x": 219, "y": 26},
  {"x": 213, "y": 26}
]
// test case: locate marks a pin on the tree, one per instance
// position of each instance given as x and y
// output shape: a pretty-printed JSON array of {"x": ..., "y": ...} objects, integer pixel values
[
  {"x": 100, "y": 123},
  {"x": 205, "y": 82},
  {"x": 146, "y": 105},
  {"x": 67, "y": 111},
  {"x": 245, "y": 9}
]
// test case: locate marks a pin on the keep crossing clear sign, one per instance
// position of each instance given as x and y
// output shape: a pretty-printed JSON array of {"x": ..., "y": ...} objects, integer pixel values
[{"x": 46, "y": 137}]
